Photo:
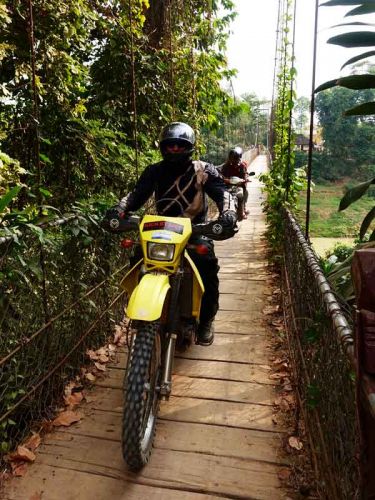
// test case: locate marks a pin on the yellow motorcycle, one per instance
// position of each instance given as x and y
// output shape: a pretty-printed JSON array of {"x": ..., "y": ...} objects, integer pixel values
[{"x": 164, "y": 298}]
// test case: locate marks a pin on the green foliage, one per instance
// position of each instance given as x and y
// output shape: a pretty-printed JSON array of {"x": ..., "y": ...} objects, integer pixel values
[
  {"x": 284, "y": 181},
  {"x": 355, "y": 193},
  {"x": 356, "y": 82},
  {"x": 76, "y": 134},
  {"x": 80, "y": 112},
  {"x": 243, "y": 122}
]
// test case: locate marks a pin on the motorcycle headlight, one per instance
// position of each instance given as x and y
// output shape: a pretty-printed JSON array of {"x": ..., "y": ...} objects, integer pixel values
[{"x": 160, "y": 251}]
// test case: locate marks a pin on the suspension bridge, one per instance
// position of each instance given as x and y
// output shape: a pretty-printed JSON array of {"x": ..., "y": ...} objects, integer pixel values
[
  {"x": 221, "y": 434},
  {"x": 217, "y": 436}
]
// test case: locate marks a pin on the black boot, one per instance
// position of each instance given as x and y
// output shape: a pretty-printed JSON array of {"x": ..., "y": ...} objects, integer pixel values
[{"x": 205, "y": 334}]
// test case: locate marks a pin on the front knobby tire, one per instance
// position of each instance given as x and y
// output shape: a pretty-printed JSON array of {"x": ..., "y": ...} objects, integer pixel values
[{"x": 141, "y": 396}]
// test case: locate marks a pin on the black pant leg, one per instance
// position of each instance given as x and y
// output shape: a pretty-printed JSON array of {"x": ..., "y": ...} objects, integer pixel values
[{"x": 208, "y": 268}]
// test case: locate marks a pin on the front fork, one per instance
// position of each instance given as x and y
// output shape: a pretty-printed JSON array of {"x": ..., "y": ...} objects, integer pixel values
[{"x": 172, "y": 326}]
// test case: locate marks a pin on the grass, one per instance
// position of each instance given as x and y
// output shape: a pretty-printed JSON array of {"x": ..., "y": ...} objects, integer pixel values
[{"x": 325, "y": 220}]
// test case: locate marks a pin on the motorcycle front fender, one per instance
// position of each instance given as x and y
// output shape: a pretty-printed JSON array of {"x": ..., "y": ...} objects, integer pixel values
[{"x": 147, "y": 299}]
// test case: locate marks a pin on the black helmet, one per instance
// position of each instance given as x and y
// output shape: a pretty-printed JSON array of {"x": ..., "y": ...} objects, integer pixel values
[
  {"x": 235, "y": 154},
  {"x": 177, "y": 133}
]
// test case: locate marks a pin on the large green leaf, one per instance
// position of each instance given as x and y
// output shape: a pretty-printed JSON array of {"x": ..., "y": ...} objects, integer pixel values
[
  {"x": 355, "y": 193},
  {"x": 354, "y": 39},
  {"x": 367, "y": 108},
  {"x": 357, "y": 23},
  {"x": 333, "y": 3},
  {"x": 8, "y": 197},
  {"x": 354, "y": 59},
  {"x": 354, "y": 82},
  {"x": 362, "y": 9},
  {"x": 366, "y": 222}
]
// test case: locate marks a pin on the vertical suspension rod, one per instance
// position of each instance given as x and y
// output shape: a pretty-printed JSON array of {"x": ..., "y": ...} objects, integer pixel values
[
  {"x": 312, "y": 110},
  {"x": 134, "y": 99},
  {"x": 35, "y": 101},
  {"x": 270, "y": 131},
  {"x": 289, "y": 167},
  {"x": 171, "y": 60}
]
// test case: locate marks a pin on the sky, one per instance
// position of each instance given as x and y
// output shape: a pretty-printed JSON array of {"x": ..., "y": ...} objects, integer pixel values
[{"x": 251, "y": 46}]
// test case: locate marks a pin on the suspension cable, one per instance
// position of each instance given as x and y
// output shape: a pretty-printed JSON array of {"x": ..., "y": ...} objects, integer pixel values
[
  {"x": 35, "y": 115},
  {"x": 289, "y": 167},
  {"x": 134, "y": 99},
  {"x": 274, "y": 77},
  {"x": 312, "y": 110},
  {"x": 171, "y": 66}
]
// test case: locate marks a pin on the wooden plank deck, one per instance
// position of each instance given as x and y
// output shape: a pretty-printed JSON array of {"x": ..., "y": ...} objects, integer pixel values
[{"x": 216, "y": 437}]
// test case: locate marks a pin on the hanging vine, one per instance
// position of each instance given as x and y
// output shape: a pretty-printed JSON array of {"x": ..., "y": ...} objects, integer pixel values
[{"x": 283, "y": 182}]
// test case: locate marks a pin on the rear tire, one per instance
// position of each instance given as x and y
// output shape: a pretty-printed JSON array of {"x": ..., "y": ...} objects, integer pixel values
[{"x": 141, "y": 395}]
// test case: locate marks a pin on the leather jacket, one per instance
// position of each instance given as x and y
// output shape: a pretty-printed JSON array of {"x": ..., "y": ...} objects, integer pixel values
[{"x": 180, "y": 189}]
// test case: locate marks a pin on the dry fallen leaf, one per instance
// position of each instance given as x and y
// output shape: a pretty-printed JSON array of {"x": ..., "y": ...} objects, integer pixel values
[
  {"x": 19, "y": 469},
  {"x": 284, "y": 474},
  {"x": 36, "y": 496},
  {"x": 270, "y": 310},
  {"x": 100, "y": 367},
  {"x": 67, "y": 418},
  {"x": 73, "y": 399},
  {"x": 90, "y": 377},
  {"x": 111, "y": 347},
  {"x": 119, "y": 333},
  {"x": 279, "y": 375},
  {"x": 33, "y": 442},
  {"x": 92, "y": 355},
  {"x": 22, "y": 454},
  {"x": 103, "y": 358},
  {"x": 103, "y": 351},
  {"x": 287, "y": 387},
  {"x": 295, "y": 443}
]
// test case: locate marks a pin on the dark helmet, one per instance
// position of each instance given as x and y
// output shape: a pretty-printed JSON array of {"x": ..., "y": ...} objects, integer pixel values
[
  {"x": 235, "y": 154},
  {"x": 177, "y": 133}
]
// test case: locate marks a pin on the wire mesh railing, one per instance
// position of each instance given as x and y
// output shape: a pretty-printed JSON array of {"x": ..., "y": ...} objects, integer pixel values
[
  {"x": 58, "y": 297},
  {"x": 320, "y": 336}
]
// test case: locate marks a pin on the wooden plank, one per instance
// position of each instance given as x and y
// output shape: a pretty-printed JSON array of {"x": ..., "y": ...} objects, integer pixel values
[
  {"x": 247, "y": 416},
  {"x": 190, "y": 437},
  {"x": 220, "y": 370},
  {"x": 236, "y": 303},
  {"x": 245, "y": 267},
  {"x": 205, "y": 411},
  {"x": 223, "y": 324},
  {"x": 59, "y": 483},
  {"x": 245, "y": 288},
  {"x": 238, "y": 276},
  {"x": 223, "y": 370},
  {"x": 220, "y": 390},
  {"x": 242, "y": 316},
  {"x": 174, "y": 469},
  {"x": 231, "y": 347}
]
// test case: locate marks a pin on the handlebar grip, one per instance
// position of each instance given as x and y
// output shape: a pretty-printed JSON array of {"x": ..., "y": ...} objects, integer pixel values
[{"x": 119, "y": 225}]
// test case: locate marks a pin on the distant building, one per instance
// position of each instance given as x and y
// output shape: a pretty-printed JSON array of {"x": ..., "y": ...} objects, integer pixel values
[{"x": 302, "y": 142}]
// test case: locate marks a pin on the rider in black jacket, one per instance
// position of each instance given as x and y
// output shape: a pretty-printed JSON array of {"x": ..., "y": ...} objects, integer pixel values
[{"x": 180, "y": 186}]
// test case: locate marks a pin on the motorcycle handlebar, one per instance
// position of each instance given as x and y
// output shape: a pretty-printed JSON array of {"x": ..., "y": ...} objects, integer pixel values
[{"x": 214, "y": 229}]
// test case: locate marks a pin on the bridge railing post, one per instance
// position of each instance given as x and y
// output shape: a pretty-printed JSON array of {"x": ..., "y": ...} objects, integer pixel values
[{"x": 363, "y": 273}]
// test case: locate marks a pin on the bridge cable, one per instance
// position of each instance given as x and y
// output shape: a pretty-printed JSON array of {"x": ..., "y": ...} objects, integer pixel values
[
  {"x": 312, "y": 110},
  {"x": 274, "y": 78},
  {"x": 171, "y": 67},
  {"x": 288, "y": 173},
  {"x": 134, "y": 88},
  {"x": 36, "y": 124}
]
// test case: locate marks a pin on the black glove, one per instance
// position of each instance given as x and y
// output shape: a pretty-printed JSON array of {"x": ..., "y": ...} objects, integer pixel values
[
  {"x": 113, "y": 215},
  {"x": 115, "y": 212},
  {"x": 228, "y": 219}
]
